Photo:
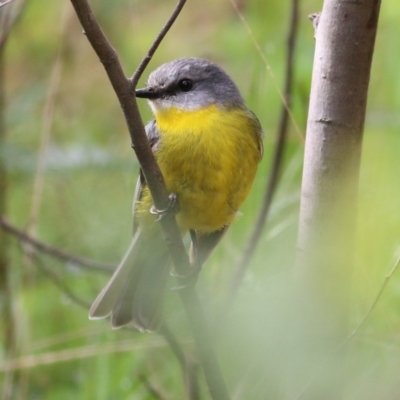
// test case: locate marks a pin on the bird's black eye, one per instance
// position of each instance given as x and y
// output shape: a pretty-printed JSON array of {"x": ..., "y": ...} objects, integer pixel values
[{"x": 185, "y": 85}]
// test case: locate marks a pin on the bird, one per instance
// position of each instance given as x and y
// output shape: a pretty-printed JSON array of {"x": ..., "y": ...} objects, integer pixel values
[{"x": 208, "y": 145}]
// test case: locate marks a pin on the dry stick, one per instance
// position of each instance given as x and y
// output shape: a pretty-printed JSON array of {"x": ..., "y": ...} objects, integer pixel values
[
  {"x": 54, "y": 251},
  {"x": 354, "y": 333},
  {"x": 277, "y": 161},
  {"x": 155, "y": 181}
]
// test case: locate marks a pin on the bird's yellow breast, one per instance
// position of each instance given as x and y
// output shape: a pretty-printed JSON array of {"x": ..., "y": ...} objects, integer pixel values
[{"x": 208, "y": 158}]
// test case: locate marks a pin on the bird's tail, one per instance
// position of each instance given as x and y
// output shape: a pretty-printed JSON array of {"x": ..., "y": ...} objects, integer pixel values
[{"x": 134, "y": 293}]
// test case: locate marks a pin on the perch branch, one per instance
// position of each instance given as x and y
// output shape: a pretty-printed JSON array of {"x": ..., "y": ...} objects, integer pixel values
[{"x": 123, "y": 88}]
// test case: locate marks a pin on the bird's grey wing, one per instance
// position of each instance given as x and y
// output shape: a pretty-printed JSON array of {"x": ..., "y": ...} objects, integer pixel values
[
  {"x": 260, "y": 133},
  {"x": 153, "y": 138}
]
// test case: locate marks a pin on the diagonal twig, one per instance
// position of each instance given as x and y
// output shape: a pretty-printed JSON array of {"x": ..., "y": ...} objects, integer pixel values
[
  {"x": 58, "y": 282},
  {"x": 123, "y": 89},
  {"x": 155, "y": 392},
  {"x": 355, "y": 331},
  {"x": 142, "y": 66},
  {"x": 188, "y": 366},
  {"x": 54, "y": 251},
  {"x": 277, "y": 160},
  {"x": 5, "y": 3}
]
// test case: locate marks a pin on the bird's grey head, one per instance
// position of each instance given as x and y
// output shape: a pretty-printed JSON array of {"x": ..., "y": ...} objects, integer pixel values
[{"x": 190, "y": 84}]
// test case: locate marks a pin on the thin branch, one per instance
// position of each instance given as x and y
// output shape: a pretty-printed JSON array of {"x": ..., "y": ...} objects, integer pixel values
[
  {"x": 9, "y": 17},
  {"x": 5, "y": 3},
  {"x": 123, "y": 88},
  {"x": 153, "y": 391},
  {"x": 142, "y": 66},
  {"x": 54, "y": 251},
  {"x": 268, "y": 68},
  {"x": 354, "y": 333},
  {"x": 277, "y": 160},
  {"x": 77, "y": 353},
  {"x": 59, "y": 282},
  {"x": 188, "y": 366},
  {"x": 45, "y": 135}
]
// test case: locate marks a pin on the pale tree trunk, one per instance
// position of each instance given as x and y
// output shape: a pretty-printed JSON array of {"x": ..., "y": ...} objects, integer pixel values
[{"x": 321, "y": 281}]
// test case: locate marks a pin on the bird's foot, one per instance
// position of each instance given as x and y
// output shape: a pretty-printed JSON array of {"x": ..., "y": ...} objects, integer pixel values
[
  {"x": 172, "y": 206},
  {"x": 189, "y": 279}
]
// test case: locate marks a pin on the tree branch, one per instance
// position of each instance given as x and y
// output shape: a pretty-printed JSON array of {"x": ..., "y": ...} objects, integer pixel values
[
  {"x": 188, "y": 366},
  {"x": 142, "y": 66},
  {"x": 321, "y": 282},
  {"x": 123, "y": 88},
  {"x": 355, "y": 331},
  {"x": 59, "y": 282},
  {"x": 277, "y": 160},
  {"x": 5, "y": 3},
  {"x": 54, "y": 251}
]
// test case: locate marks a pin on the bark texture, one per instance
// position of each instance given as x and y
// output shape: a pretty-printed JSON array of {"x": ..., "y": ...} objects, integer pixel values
[{"x": 344, "y": 47}]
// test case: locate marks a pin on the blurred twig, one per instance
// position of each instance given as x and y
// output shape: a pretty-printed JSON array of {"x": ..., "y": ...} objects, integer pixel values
[
  {"x": 8, "y": 17},
  {"x": 54, "y": 251},
  {"x": 354, "y": 333},
  {"x": 59, "y": 282},
  {"x": 188, "y": 366},
  {"x": 45, "y": 134},
  {"x": 123, "y": 88},
  {"x": 6, "y": 2},
  {"x": 77, "y": 353},
  {"x": 154, "y": 392},
  {"x": 267, "y": 65},
  {"x": 277, "y": 160}
]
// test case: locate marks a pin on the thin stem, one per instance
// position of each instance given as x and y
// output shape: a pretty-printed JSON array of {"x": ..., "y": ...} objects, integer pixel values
[
  {"x": 277, "y": 160},
  {"x": 155, "y": 182},
  {"x": 188, "y": 366},
  {"x": 59, "y": 282},
  {"x": 5, "y": 3},
  {"x": 54, "y": 251},
  {"x": 142, "y": 66},
  {"x": 354, "y": 333}
]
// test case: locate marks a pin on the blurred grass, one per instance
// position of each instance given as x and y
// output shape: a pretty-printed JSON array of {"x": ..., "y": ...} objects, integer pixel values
[{"x": 91, "y": 174}]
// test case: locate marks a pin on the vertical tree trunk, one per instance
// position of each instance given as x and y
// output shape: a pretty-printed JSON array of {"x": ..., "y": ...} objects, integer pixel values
[{"x": 344, "y": 46}]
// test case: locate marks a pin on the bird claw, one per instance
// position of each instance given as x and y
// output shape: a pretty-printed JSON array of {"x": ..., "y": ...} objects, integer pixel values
[
  {"x": 172, "y": 206},
  {"x": 188, "y": 279}
]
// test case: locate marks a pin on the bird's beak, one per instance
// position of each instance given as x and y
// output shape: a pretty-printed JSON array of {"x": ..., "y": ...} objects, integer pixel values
[{"x": 148, "y": 93}]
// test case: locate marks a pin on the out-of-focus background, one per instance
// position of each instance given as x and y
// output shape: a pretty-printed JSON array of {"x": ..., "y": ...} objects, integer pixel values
[{"x": 71, "y": 174}]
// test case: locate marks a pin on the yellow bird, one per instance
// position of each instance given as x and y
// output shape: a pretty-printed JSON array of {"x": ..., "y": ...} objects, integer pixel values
[{"x": 208, "y": 145}]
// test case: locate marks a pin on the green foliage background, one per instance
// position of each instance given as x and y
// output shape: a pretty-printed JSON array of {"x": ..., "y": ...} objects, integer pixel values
[{"x": 90, "y": 177}]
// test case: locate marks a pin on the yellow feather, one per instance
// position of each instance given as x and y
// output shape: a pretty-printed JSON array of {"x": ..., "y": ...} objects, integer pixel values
[{"x": 209, "y": 159}]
